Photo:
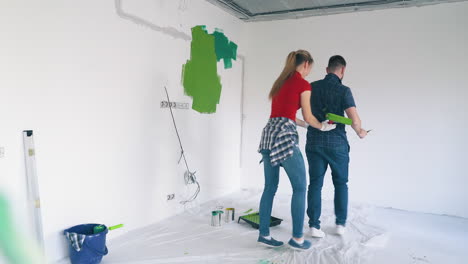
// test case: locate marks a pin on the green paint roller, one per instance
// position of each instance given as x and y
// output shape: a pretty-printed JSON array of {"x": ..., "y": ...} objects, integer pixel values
[
  {"x": 339, "y": 119},
  {"x": 248, "y": 211},
  {"x": 100, "y": 228},
  {"x": 14, "y": 246}
]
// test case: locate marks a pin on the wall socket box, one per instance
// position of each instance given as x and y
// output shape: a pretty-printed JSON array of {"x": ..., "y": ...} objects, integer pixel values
[
  {"x": 176, "y": 105},
  {"x": 2, "y": 152},
  {"x": 170, "y": 196}
]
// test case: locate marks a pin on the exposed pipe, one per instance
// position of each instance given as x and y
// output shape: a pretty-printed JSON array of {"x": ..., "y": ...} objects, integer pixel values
[
  {"x": 242, "y": 116},
  {"x": 181, "y": 35},
  {"x": 140, "y": 21}
]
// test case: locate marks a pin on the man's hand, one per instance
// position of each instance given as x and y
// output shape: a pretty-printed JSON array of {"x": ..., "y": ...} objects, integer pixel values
[
  {"x": 362, "y": 133},
  {"x": 352, "y": 113}
]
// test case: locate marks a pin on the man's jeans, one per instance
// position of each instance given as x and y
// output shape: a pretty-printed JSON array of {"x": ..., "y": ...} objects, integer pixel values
[
  {"x": 295, "y": 168},
  {"x": 319, "y": 158}
]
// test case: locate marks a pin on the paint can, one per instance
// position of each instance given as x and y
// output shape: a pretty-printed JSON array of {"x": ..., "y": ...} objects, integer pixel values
[
  {"x": 216, "y": 218},
  {"x": 230, "y": 215},
  {"x": 220, "y": 216}
]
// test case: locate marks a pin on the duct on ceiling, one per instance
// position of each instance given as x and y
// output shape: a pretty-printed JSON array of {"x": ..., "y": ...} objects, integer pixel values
[{"x": 267, "y": 10}]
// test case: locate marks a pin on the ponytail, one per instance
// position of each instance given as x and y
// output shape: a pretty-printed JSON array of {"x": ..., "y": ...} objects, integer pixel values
[{"x": 294, "y": 59}]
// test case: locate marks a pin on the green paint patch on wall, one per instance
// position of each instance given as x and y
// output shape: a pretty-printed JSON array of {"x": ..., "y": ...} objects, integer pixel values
[
  {"x": 199, "y": 75},
  {"x": 225, "y": 49}
]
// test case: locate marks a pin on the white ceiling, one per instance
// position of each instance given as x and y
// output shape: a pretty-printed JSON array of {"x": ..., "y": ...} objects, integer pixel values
[{"x": 262, "y": 10}]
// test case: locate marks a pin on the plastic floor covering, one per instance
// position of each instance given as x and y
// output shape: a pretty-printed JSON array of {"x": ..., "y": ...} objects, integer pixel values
[{"x": 374, "y": 235}]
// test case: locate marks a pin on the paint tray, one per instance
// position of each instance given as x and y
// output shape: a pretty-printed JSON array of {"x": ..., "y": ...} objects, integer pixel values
[{"x": 254, "y": 220}]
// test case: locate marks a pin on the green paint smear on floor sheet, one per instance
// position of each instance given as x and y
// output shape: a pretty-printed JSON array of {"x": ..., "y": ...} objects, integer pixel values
[{"x": 199, "y": 75}]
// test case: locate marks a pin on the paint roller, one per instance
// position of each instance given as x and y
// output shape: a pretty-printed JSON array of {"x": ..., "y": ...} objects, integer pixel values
[
  {"x": 15, "y": 247},
  {"x": 100, "y": 228},
  {"x": 340, "y": 119}
]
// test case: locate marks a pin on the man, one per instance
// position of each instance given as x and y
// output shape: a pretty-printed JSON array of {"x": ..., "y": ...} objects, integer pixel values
[{"x": 330, "y": 148}]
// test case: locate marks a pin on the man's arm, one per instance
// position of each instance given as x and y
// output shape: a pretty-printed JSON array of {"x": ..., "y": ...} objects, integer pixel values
[{"x": 352, "y": 113}]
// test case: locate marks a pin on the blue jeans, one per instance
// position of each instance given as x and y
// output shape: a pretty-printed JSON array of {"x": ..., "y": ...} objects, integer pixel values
[
  {"x": 319, "y": 158},
  {"x": 295, "y": 168}
]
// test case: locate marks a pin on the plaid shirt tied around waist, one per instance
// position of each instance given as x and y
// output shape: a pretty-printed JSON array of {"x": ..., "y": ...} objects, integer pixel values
[{"x": 280, "y": 137}]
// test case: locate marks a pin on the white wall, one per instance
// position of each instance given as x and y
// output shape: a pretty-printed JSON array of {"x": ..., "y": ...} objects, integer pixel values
[
  {"x": 89, "y": 83},
  {"x": 407, "y": 69}
]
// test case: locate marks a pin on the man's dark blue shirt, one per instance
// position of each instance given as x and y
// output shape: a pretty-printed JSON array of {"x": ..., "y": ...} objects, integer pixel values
[{"x": 329, "y": 96}]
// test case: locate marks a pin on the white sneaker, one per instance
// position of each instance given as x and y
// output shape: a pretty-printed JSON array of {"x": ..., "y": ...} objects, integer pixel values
[
  {"x": 314, "y": 232},
  {"x": 340, "y": 230}
]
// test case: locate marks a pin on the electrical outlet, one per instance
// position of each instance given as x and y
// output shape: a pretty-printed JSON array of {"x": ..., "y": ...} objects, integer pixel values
[
  {"x": 170, "y": 196},
  {"x": 175, "y": 105},
  {"x": 2, "y": 152}
]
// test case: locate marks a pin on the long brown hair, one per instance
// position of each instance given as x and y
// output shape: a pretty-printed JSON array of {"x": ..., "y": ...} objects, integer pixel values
[{"x": 294, "y": 59}]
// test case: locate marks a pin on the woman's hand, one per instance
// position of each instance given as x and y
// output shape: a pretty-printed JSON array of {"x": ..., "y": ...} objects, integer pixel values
[
  {"x": 327, "y": 127},
  {"x": 309, "y": 117}
]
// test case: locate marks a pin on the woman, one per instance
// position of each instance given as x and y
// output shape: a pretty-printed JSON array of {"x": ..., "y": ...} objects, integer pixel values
[{"x": 279, "y": 145}]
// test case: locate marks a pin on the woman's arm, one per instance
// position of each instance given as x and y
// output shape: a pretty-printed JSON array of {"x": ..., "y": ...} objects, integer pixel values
[
  {"x": 309, "y": 117},
  {"x": 301, "y": 123},
  {"x": 307, "y": 110}
]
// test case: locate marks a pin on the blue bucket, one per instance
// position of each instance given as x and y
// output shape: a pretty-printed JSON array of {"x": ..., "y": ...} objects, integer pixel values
[{"x": 93, "y": 248}]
